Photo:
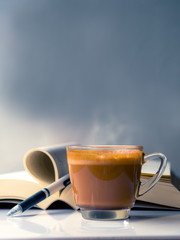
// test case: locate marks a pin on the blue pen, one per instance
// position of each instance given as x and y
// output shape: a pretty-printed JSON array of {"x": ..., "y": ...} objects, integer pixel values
[{"x": 39, "y": 196}]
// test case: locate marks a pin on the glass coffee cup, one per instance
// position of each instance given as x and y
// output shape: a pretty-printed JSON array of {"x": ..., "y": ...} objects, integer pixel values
[{"x": 106, "y": 179}]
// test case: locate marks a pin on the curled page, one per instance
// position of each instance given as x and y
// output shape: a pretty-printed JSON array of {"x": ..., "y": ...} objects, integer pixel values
[{"x": 47, "y": 164}]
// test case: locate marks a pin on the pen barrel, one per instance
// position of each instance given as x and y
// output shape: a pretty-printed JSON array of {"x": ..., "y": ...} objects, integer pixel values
[
  {"x": 33, "y": 200},
  {"x": 46, "y": 192},
  {"x": 59, "y": 184}
]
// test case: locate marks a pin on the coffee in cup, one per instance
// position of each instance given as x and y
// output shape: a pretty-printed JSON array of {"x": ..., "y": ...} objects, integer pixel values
[{"x": 106, "y": 179}]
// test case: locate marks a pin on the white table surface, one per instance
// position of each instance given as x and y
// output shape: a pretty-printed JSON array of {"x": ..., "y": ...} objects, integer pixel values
[{"x": 68, "y": 224}]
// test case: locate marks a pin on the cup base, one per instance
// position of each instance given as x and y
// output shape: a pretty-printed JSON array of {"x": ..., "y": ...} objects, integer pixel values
[{"x": 105, "y": 214}]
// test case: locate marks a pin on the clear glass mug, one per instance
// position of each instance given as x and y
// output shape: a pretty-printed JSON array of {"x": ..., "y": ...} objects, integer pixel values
[{"x": 106, "y": 179}]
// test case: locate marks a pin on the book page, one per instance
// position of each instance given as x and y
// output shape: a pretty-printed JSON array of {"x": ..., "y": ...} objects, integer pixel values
[
  {"x": 18, "y": 186},
  {"x": 21, "y": 175},
  {"x": 151, "y": 167},
  {"x": 164, "y": 194},
  {"x": 47, "y": 164},
  {"x": 67, "y": 197}
]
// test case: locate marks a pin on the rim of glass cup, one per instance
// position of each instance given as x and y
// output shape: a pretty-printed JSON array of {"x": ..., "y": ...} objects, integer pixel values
[{"x": 104, "y": 147}]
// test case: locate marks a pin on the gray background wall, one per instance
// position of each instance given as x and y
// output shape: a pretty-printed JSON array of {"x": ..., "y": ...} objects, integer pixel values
[{"x": 93, "y": 72}]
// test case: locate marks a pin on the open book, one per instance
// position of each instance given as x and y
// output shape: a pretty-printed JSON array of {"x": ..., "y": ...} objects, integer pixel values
[
  {"x": 42, "y": 167},
  {"x": 45, "y": 165},
  {"x": 164, "y": 193}
]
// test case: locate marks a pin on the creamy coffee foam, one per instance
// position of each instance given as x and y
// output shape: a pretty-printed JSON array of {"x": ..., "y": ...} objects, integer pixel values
[{"x": 127, "y": 156}]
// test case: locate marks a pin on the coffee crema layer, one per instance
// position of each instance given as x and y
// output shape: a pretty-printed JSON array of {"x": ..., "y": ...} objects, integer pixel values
[{"x": 104, "y": 156}]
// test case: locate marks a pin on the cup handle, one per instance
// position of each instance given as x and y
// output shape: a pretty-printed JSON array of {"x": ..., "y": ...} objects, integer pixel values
[{"x": 147, "y": 185}]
